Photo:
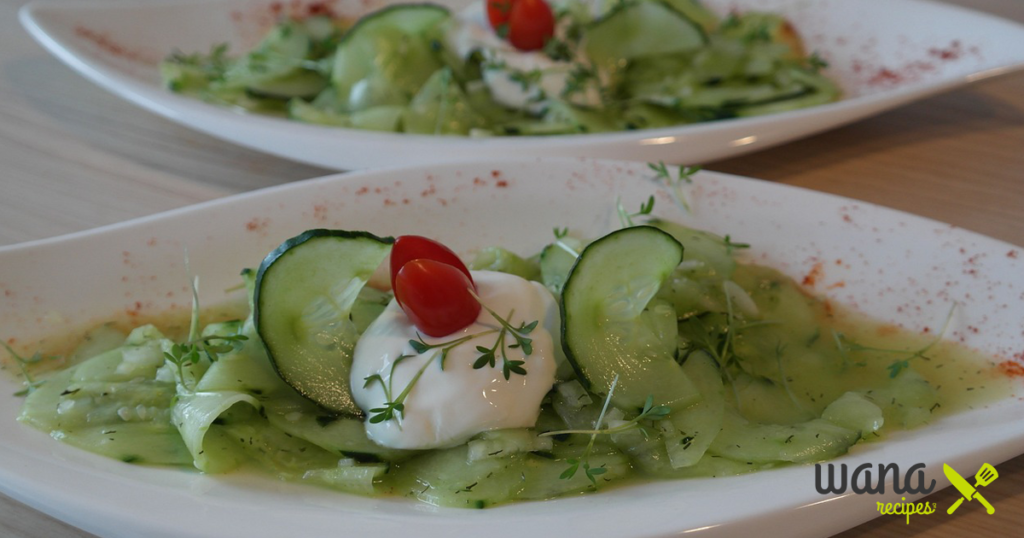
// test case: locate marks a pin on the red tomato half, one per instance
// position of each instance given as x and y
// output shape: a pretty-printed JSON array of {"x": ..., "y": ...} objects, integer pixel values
[
  {"x": 414, "y": 247},
  {"x": 436, "y": 296},
  {"x": 498, "y": 12},
  {"x": 530, "y": 24}
]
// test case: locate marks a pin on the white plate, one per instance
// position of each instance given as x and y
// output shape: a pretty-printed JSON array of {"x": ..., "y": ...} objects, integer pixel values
[
  {"x": 895, "y": 266},
  {"x": 884, "y": 53}
]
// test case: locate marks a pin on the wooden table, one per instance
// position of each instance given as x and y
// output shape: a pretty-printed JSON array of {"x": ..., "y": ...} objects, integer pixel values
[{"x": 74, "y": 157}]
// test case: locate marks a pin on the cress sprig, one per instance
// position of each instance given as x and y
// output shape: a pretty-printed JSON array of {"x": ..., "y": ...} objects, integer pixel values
[
  {"x": 649, "y": 412},
  {"x": 626, "y": 218},
  {"x": 684, "y": 177},
  {"x": 519, "y": 333},
  {"x": 187, "y": 354},
  {"x": 395, "y": 407},
  {"x": 30, "y": 382},
  {"x": 844, "y": 345}
]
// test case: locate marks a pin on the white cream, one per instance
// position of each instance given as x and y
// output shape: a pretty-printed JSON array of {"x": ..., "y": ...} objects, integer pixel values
[
  {"x": 447, "y": 407},
  {"x": 472, "y": 31}
]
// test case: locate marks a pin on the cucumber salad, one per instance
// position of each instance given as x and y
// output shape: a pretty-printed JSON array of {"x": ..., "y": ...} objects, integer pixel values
[
  {"x": 389, "y": 366},
  {"x": 515, "y": 67}
]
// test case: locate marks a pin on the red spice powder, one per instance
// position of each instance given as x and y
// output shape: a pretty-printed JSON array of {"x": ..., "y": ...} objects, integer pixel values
[
  {"x": 811, "y": 278},
  {"x": 952, "y": 52},
  {"x": 1011, "y": 369},
  {"x": 108, "y": 45},
  {"x": 885, "y": 76}
]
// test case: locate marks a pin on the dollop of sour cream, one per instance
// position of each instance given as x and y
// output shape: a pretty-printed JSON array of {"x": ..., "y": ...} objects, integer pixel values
[
  {"x": 447, "y": 407},
  {"x": 471, "y": 31}
]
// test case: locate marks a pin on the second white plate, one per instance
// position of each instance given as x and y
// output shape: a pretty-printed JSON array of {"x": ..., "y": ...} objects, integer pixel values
[{"x": 883, "y": 53}]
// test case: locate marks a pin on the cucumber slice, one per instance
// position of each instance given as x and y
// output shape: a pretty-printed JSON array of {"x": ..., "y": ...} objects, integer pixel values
[
  {"x": 690, "y": 432},
  {"x": 697, "y": 12},
  {"x": 639, "y": 29},
  {"x": 279, "y": 56},
  {"x": 556, "y": 260},
  {"x": 607, "y": 328},
  {"x": 303, "y": 83},
  {"x": 441, "y": 107},
  {"x": 505, "y": 261},
  {"x": 305, "y": 290},
  {"x": 392, "y": 44},
  {"x": 577, "y": 119},
  {"x": 379, "y": 118},
  {"x": 807, "y": 442},
  {"x": 302, "y": 111}
]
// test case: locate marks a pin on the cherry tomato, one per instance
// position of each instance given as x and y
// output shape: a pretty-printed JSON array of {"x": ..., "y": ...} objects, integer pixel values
[
  {"x": 498, "y": 12},
  {"x": 413, "y": 247},
  {"x": 530, "y": 24},
  {"x": 436, "y": 296}
]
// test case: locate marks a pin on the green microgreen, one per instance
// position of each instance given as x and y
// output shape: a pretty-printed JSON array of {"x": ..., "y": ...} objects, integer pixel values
[
  {"x": 25, "y": 364},
  {"x": 845, "y": 345},
  {"x": 422, "y": 347},
  {"x": 561, "y": 234},
  {"x": 730, "y": 245},
  {"x": 211, "y": 65},
  {"x": 558, "y": 50},
  {"x": 394, "y": 407},
  {"x": 684, "y": 177},
  {"x": 718, "y": 341},
  {"x": 189, "y": 353},
  {"x": 759, "y": 34},
  {"x": 780, "y": 351},
  {"x": 576, "y": 81},
  {"x": 519, "y": 334},
  {"x": 649, "y": 412},
  {"x": 815, "y": 63},
  {"x": 626, "y": 218},
  {"x": 525, "y": 79}
]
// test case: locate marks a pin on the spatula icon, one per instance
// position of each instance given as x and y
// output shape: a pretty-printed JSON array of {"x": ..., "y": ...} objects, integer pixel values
[{"x": 986, "y": 475}]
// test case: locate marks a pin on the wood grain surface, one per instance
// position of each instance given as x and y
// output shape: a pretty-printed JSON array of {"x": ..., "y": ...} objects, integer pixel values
[{"x": 73, "y": 157}]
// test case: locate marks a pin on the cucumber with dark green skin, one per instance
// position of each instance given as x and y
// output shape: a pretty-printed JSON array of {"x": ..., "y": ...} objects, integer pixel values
[
  {"x": 391, "y": 46},
  {"x": 304, "y": 293},
  {"x": 609, "y": 333},
  {"x": 639, "y": 29}
]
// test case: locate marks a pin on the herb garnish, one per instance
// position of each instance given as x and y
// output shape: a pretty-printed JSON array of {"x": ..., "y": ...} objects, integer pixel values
[
  {"x": 30, "y": 382},
  {"x": 525, "y": 79},
  {"x": 685, "y": 177},
  {"x": 649, "y": 412},
  {"x": 844, "y": 345},
  {"x": 626, "y": 218},
  {"x": 577, "y": 79},
  {"x": 731, "y": 246},
  {"x": 508, "y": 367},
  {"x": 562, "y": 234},
  {"x": 188, "y": 353},
  {"x": 816, "y": 63},
  {"x": 395, "y": 407}
]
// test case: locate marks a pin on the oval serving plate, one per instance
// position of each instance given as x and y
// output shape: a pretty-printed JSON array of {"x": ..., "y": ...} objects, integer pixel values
[
  {"x": 878, "y": 59},
  {"x": 892, "y": 265}
]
